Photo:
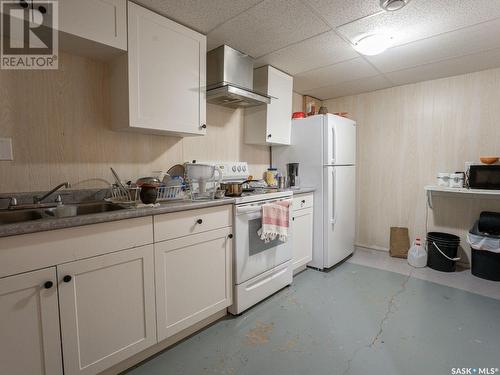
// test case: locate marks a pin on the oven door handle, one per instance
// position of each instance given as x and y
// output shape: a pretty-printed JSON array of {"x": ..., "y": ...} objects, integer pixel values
[{"x": 248, "y": 209}]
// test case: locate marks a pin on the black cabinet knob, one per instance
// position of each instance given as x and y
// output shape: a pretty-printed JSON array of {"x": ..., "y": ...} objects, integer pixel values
[
  {"x": 48, "y": 285},
  {"x": 230, "y": 236},
  {"x": 67, "y": 278},
  {"x": 42, "y": 9},
  {"x": 23, "y": 4},
  {"x": 293, "y": 219},
  {"x": 199, "y": 221},
  {"x": 269, "y": 136},
  {"x": 303, "y": 201},
  {"x": 204, "y": 126}
]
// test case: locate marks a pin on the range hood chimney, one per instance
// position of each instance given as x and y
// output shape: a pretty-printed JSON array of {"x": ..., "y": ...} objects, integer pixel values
[{"x": 230, "y": 79}]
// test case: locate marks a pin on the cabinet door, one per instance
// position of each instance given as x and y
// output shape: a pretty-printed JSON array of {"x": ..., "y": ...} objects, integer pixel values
[
  {"x": 102, "y": 21},
  {"x": 193, "y": 279},
  {"x": 279, "y": 112},
  {"x": 166, "y": 74},
  {"x": 30, "y": 340},
  {"x": 302, "y": 242},
  {"x": 107, "y": 308}
]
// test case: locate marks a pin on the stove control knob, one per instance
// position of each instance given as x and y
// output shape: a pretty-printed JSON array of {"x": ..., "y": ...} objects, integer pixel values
[
  {"x": 234, "y": 168},
  {"x": 244, "y": 169},
  {"x": 239, "y": 168}
]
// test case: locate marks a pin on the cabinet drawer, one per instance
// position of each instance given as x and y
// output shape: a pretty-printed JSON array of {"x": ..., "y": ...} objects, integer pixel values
[
  {"x": 180, "y": 224},
  {"x": 32, "y": 251},
  {"x": 303, "y": 201}
]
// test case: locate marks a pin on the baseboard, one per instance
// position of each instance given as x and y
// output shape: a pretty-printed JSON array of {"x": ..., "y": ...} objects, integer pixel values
[
  {"x": 157, "y": 348},
  {"x": 465, "y": 265},
  {"x": 299, "y": 270},
  {"x": 372, "y": 247}
]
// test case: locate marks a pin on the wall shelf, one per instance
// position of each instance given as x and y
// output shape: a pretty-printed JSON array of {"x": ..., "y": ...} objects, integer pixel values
[{"x": 460, "y": 192}]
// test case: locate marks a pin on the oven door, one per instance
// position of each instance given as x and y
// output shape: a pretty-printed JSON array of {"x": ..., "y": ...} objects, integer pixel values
[{"x": 252, "y": 255}]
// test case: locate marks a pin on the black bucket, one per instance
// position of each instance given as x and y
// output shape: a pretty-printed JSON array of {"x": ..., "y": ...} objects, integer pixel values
[{"x": 442, "y": 249}]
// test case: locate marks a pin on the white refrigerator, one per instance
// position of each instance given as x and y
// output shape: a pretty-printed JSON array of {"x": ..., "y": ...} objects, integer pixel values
[{"x": 325, "y": 148}]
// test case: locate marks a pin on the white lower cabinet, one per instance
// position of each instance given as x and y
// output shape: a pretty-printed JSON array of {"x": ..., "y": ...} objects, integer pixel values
[
  {"x": 29, "y": 324},
  {"x": 107, "y": 309},
  {"x": 84, "y": 316},
  {"x": 193, "y": 279},
  {"x": 302, "y": 229}
]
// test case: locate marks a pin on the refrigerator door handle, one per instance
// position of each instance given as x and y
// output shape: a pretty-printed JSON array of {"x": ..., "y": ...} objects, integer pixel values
[
  {"x": 332, "y": 156},
  {"x": 333, "y": 219}
]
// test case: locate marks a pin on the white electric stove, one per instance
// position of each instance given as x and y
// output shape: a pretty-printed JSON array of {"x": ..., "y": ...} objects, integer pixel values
[{"x": 260, "y": 269}]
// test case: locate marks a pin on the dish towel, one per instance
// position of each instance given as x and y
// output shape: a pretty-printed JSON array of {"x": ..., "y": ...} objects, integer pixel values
[{"x": 275, "y": 221}]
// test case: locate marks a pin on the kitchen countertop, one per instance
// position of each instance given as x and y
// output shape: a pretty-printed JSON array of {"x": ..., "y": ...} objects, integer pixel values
[
  {"x": 303, "y": 190},
  {"x": 48, "y": 224}
]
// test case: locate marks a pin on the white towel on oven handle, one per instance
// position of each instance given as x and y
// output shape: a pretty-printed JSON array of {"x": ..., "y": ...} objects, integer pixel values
[{"x": 275, "y": 221}]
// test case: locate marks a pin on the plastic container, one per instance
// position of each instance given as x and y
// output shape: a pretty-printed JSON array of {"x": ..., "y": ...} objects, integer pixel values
[
  {"x": 271, "y": 175},
  {"x": 417, "y": 256},
  {"x": 456, "y": 180},
  {"x": 485, "y": 254},
  {"x": 442, "y": 249},
  {"x": 443, "y": 179}
]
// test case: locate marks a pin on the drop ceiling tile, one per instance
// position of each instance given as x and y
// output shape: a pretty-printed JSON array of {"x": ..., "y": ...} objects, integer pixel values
[
  {"x": 267, "y": 27},
  {"x": 461, "y": 65},
  {"x": 350, "y": 88},
  {"x": 338, "y": 12},
  {"x": 201, "y": 15},
  {"x": 349, "y": 70},
  {"x": 424, "y": 18},
  {"x": 318, "y": 51},
  {"x": 473, "y": 39}
]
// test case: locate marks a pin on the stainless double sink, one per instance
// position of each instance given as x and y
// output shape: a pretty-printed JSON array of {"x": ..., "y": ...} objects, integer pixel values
[{"x": 31, "y": 214}]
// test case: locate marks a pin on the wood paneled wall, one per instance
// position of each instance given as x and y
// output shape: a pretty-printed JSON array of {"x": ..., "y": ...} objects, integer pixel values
[
  {"x": 406, "y": 135},
  {"x": 60, "y": 125}
]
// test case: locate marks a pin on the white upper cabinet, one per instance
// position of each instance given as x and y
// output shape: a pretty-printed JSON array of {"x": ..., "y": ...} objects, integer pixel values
[
  {"x": 270, "y": 124},
  {"x": 159, "y": 87},
  {"x": 90, "y": 28},
  {"x": 29, "y": 325},
  {"x": 102, "y": 21}
]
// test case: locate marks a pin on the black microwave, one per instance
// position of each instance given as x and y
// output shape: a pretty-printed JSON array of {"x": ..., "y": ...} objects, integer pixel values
[{"x": 484, "y": 177}]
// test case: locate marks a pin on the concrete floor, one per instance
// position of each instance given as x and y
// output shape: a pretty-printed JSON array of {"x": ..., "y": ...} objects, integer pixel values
[
  {"x": 352, "y": 320},
  {"x": 461, "y": 279}
]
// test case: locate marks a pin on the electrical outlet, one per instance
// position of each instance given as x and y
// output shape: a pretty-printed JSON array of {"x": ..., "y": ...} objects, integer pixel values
[{"x": 6, "y": 149}]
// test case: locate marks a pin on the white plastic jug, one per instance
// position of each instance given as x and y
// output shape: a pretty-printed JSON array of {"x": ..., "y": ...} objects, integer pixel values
[{"x": 417, "y": 256}]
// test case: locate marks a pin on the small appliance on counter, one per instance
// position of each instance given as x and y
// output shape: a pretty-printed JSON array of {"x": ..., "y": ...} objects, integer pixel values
[
  {"x": 293, "y": 175},
  {"x": 480, "y": 176},
  {"x": 203, "y": 180}
]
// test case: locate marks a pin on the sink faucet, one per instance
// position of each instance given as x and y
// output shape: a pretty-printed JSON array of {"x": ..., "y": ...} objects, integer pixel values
[
  {"x": 38, "y": 199},
  {"x": 12, "y": 201}
]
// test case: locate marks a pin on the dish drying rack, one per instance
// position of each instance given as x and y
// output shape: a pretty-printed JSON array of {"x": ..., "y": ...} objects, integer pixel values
[{"x": 131, "y": 195}]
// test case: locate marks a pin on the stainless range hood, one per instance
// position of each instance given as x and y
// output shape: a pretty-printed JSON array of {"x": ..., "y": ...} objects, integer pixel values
[{"x": 230, "y": 79}]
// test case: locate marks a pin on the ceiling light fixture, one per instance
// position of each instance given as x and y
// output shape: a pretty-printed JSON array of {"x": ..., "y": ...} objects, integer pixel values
[
  {"x": 393, "y": 5},
  {"x": 373, "y": 44}
]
